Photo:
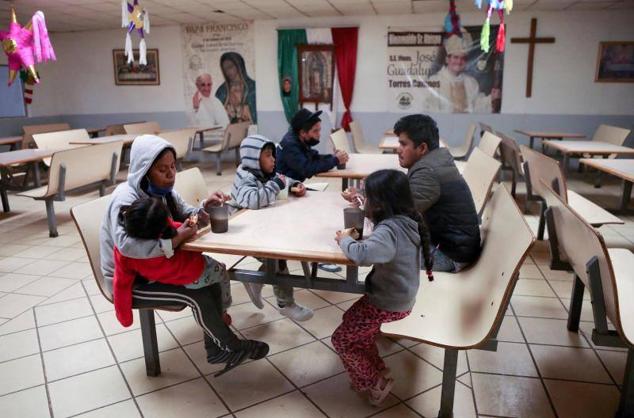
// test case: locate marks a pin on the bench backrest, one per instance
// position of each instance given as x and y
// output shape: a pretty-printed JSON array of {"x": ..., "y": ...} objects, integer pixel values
[
  {"x": 235, "y": 133},
  {"x": 484, "y": 128},
  {"x": 358, "y": 139},
  {"x": 580, "y": 242},
  {"x": 116, "y": 129},
  {"x": 144, "y": 128},
  {"x": 84, "y": 165},
  {"x": 87, "y": 218},
  {"x": 611, "y": 134},
  {"x": 180, "y": 140},
  {"x": 468, "y": 140},
  {"x": 479, "y": 173},
  {"x": 543, "y": 169},
  {"x": 60, "y": 139},
  {"x": 29, "y": 130},
  {"x": 510, "y": 153},
  {"x": 191, "y": 185},
  {"x": 489, "y": 143},
  {"x": 340, "y": 140}
]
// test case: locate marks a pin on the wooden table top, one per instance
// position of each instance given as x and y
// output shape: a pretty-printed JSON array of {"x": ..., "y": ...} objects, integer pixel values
[
  {"x": 623, "y": 168},
  {"x": 295, "y": 229},
  {"x": 127, "y": 140},
  {"x": 549, "y": 134},
  {"x": 24, "y": 156},
  {"x": 359, "y": 166},
  {"x": 10, "y": 140},
  {"x": 389, "y": 142},
  {"x": 591, "y": 147}
]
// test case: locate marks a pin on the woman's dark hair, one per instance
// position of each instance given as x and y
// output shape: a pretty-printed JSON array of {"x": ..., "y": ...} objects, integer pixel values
[
  {"x": 419, "y": 128},
  {"x": 388, "y": 194},
  {"x": 146, "y": 218},
  {"x": 169, "y": 199}
]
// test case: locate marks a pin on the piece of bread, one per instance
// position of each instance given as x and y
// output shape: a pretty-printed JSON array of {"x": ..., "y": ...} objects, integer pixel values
[{"x": 354, "y": 234}]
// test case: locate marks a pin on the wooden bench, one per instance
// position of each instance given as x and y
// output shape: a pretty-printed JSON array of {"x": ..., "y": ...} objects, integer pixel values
[
  {"x": 461, "y": 311},
  {"x": 511, "y": 158},
  {"x": 233, "y": 136},
  {"x": 461, "y": 152},
  {"x": 143, "y": 128},
  {"x": 30, "y": 130},
  {"x": 182, "y": 140},
  {"x": 607, "y": 273},
  {"x": 538, "y": 169},
  {"x": 479, "y": 174},
  {"x": 358, "y": 140},
  {"x": 74, "y": 168},
  {"x": 339, "y": 141},
  {"x": 60, "y": 140},
  {"x": 489, "y": 144}
]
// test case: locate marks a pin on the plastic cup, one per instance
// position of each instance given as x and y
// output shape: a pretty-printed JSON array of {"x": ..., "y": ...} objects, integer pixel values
[
  {"x": 354, "y": 218},
  {"x": 219, "y": 217}
]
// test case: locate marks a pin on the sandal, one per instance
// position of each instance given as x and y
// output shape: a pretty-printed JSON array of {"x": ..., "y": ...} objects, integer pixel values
[
  {"x": 251, "y": 349},
  {"x": 377, "y": 394}
]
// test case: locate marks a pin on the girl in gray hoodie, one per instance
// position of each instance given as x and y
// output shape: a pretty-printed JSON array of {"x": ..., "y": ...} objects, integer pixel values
[{"x": 391, "y": 286}]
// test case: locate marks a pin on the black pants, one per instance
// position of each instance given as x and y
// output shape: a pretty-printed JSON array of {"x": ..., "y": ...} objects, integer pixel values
[{"x": 206, "y": 305}]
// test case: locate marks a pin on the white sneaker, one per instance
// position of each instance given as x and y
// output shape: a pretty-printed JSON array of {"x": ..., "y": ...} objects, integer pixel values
[
  {"x": 254, "y": 290},
  {"x": 296, "y": 312}
]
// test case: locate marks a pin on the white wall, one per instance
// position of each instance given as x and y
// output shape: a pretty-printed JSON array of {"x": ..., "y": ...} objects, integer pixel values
[
  {"x": 81, "y": 81},
  {"x": 563, "y": 79}
]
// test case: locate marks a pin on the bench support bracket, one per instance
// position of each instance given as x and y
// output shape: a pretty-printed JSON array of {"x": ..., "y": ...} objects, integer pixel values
[{"x": 450, "y": 366}]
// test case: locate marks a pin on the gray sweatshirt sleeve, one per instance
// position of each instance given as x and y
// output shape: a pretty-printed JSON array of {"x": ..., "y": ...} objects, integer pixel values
[
  {"x": 252, "y": 194},
  {"x": 380, "y": 247}
]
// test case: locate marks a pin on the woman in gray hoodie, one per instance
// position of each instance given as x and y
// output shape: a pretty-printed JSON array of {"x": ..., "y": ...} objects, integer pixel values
[
  {"x": 152, "y": 173},
  {"x": 391, "y": 286}
]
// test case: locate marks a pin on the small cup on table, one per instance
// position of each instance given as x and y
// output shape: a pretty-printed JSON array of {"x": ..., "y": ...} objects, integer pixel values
[{"x": 219, "y": 217}]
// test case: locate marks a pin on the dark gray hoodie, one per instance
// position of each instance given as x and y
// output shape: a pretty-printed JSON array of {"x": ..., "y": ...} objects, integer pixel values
[{"x": 394, "y": 250}]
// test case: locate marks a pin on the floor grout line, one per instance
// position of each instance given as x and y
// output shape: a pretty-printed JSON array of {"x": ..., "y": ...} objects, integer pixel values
[{"x": 39, "y": 343}]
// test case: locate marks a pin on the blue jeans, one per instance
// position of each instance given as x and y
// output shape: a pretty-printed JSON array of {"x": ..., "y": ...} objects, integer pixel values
[{"x": 443, "y": 263}]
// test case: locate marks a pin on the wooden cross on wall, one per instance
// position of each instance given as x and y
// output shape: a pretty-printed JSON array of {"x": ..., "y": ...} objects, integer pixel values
[{"x": 532, "y": 40}]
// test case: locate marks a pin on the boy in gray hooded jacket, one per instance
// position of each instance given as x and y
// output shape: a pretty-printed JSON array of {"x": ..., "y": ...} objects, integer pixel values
[{"x": 257, "y": 186}]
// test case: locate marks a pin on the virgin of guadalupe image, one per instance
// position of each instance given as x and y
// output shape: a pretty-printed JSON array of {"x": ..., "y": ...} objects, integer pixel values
[
  {"x": 237, "y": 92},
  {"x": 316, "y": 67}
]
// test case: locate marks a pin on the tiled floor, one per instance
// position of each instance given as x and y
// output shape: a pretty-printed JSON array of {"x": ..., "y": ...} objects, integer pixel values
[{"x": 62, "y": 352}]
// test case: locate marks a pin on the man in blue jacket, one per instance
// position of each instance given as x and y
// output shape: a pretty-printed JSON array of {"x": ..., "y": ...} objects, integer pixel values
[{"x": 295, "y": 156}]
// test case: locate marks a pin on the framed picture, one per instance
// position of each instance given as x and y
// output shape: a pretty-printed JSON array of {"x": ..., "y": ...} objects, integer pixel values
[
  {"x": 316, "y": 73},
  {"x": 615, "y": 63},
  {"x": 135, "y": 74}
]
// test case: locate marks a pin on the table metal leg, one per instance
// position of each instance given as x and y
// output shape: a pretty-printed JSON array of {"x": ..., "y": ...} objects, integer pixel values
[
  {"x": 565, "y": 163},
  {"x": 532, "y": 139},
  {"x": 344, "y": 184},
  {"x": 627, "y": 193},
  {"x": 36, "y": 174},
  {"x": 5, "y": 199}
]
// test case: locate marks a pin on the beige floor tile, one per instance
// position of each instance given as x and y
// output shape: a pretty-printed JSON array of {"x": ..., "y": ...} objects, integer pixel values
[
  {"x": 125, "y": 409},
  {"x": 563, "y": 289},
  {"x": 24, "y": 373},
  {"x": 100, "y": 304},
  {"x": 398, "y": 411},
  {"x": 428, "y": 403},
  {"x": 436, "y": 356},
  {"x": 305, "y": 298},
  {"x": 30, "y": 403},
  {"x": 87, "y": 391},
  {"x": 198, "y": 355},
  {"x": 538, "y": 307},
  {"x": 46, "y": 286},
  {"x": 195, "y": 397},
  {"x": 553, "y": 275},
  {"x": 7, "y": 250},
  {"x": 510, "y": 396},
  {"x": 128, "y": 345},
  {"x": 111, "y": 325},
  {"x": 324, "y": 323},
  {"x": 77, "y": 359},
  {"x": 550, "y": 331},
  {"x": 293, "y": 404},
  {"x": 563, "y": 363},
  {"x": 280, "y": 335},
  {"x": 175, "y": 368},
  {"x": 583, "y": 400},
  {"x": 91, "y": 286},
  {"x": 68, "y": 333},
  {"x": 335, "y": 397},
  {"x": 411, "y": 374},
  {"x": 247, "y": 315},
  {"x": 19, "y": 344},
  {"x": 615, "y": 362},
  {"x": 69, "y": 254},
  {"x": 38, "y": 252},
  {"x": 510, "y": 358},
  {"x": 239, "y": 294},
  {"x": 19, "y": 323},
  {"x": 11, "y": 264},
  {"x": 41, "y": 267},
  {"x": 75, "y": 291},
  {"x": 13, "y": 305},
  {"x": 73, "y": 270},
  {"x": 10, "y": 282},
  {"x": 186, "y": 330},
  {"x": 586, "y": 309},
  {"x": 533, "y": 287},
  {"x": 323, "y": 363},
  {"x": 335, "y": 297},
  {"x": 63, "y": 311},
  {"x": 510, "y": 331},
  {"x": 530, "y": 271},
  {"x": 250, "y": 383}
]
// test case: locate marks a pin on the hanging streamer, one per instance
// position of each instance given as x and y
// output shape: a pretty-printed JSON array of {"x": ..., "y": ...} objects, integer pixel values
[
  {"x": 501, "y": 38},
  {"x": 500, "y": 6}
]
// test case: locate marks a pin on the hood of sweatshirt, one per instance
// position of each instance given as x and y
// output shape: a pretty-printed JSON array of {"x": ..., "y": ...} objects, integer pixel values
[
  {"x": 406, "y": 226},
  {"x": 144, "y": 151},
  {"x": 250, "y": 150}
]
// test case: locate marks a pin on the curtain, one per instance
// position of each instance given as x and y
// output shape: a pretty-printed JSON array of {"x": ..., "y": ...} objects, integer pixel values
[
  {"x": 287, "y": 41},
  {"x": 345, "y": 41}
]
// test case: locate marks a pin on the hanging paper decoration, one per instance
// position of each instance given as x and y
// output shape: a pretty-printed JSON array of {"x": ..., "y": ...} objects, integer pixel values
[
  {"x": 452, "y": 21},
  {"x": 135, "y": 17},
  {"x": 26, "y": 45},
  {"x": 28, "y": 81},
  {"x": 498, "y": 5}
]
